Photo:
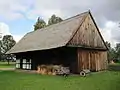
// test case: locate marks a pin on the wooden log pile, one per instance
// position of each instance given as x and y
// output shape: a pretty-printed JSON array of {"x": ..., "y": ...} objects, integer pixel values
[{"x": 47, "y": 69}]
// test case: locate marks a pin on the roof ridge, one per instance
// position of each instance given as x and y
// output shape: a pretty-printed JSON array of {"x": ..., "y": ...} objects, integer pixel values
[
  {"x": 76, "y": 15},
  {"x": 98, "y": 30},
  {"x": 66, "y": 19}
]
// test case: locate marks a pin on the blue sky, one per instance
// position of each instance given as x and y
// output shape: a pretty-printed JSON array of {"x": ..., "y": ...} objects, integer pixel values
[
  {"x": 17, "y": 17},
  {"x": 14, "y": 18},
  {"x": 21, "y": 26}
]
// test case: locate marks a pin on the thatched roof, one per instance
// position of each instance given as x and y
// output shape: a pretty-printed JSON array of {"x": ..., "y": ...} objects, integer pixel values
[{"x": 53, "y": 36}]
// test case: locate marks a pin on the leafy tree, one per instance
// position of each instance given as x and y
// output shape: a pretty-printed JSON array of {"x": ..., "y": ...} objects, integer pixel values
[
  {"x": 108, "y": 44},
  {"x": 39, "y": 24},
  {"x": 118, "y": 51},
  {"x": 111, "y": 52},
  {"x": 0, "y": 51},
  {"x": 117, "y": 46},
  {"x": 7, "y": 43},
  {"x": 54, "y": 19},
  {"x": 0, "y": 46}
]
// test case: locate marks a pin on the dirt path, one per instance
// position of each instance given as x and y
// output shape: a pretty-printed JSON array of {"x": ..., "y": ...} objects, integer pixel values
[{"x": 7, "y": 68}]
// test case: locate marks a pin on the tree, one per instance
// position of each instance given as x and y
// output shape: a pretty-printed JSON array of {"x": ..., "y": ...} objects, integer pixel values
[
  {"x": 111, "y": 52},
  {"x": 7, "y": 43},
  {"x": 39, "y": 24},
  {"x": 117, "y": 46},
  {"x": 118, "y": 51},
  {"x": 0, "y": 50},
  {"x": 0, "y": 46},
  {"x": 54, "y": 19},
  {"x": 108, "y": 44}
]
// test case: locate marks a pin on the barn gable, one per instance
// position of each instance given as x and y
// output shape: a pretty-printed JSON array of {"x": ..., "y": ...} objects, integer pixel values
[{"x": 88, "y": 35}]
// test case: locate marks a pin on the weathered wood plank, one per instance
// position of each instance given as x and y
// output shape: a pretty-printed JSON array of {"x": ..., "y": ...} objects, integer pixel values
[
  {"x": 92, "y": 60},
  {"x": 88, "y": 35}
]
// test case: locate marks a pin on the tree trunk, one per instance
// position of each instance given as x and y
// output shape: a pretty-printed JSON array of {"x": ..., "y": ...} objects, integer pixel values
[{"x": 8, "y": 61}]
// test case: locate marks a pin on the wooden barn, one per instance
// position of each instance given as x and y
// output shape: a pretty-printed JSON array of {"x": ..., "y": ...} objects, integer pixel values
[{"x": 75, "y": 42}]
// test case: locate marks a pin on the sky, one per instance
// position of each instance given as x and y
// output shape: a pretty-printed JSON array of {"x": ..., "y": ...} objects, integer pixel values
[{"x": 17, "y": 17}]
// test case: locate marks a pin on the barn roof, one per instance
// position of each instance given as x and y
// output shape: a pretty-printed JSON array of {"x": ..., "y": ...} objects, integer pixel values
[{"x": 53, "y": 36}]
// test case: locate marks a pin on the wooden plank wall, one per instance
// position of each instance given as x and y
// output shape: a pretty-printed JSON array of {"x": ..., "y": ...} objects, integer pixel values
[
  {"x": 92, "y": 60},
  {"x": 87, "y": 35}
]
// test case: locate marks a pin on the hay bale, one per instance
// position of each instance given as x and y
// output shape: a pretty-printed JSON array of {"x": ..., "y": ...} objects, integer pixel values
[
  {"x": 53, "y": 73},
  {"x": 38, "y": 69},
  {"x": 43, "y": 71},
  {"x": 49, "y": 73},
  {"x": 48, "y": 69},
  {"x": 112, "y": 62}
]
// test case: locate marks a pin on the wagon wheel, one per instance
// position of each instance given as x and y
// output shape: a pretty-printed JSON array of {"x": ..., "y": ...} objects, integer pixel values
[{"x": 82, "y": 73}]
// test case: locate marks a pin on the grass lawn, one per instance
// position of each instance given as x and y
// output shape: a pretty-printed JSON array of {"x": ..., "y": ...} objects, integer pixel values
[
  {"x": 5, "y": 65},
  {"x": 12, "y": 80}
]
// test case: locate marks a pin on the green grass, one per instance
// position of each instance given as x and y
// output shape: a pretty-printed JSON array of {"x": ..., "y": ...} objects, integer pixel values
[
  {"x": 11, "y": 80},
  {"x": 5, "y": 65}
]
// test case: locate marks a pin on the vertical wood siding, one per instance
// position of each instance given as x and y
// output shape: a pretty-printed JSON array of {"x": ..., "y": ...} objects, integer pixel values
[
  {"x": 92, "y": 60},
  {"x": 88, "y": 35}
]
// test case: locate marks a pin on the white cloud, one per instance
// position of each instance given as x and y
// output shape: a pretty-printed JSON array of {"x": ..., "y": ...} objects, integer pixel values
[
  {"x": 14, "y": 9},
  {"x": 45, "y": 9},
  {"x": 110, "y": 32},
  {"x": 4, "y": 30},
  {"x": 43, "y": 13}
]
